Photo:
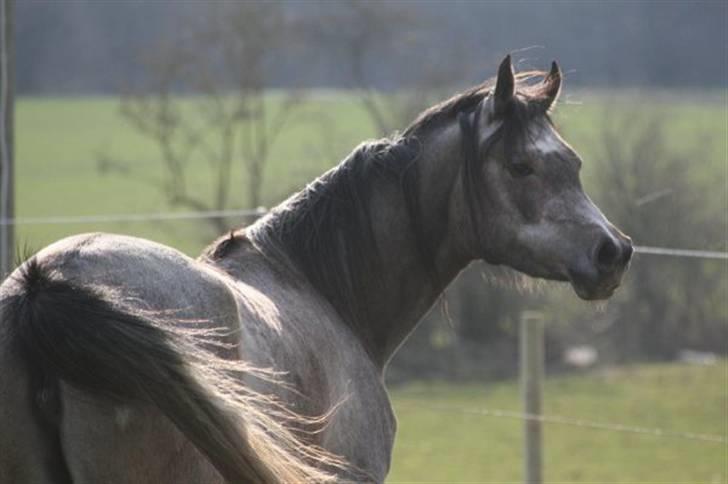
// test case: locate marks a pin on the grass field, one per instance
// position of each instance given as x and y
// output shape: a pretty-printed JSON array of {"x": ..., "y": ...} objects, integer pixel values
[
  {"x": 435, "y": 445},
  {"x": 59, "y": 141}
]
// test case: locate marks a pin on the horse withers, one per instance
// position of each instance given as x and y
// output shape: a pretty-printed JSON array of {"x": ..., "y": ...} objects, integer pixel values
[{"x": 125, "y": 361}]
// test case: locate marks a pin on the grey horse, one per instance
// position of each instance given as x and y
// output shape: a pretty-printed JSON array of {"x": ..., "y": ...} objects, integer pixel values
[{"x": 125, "y": 361}]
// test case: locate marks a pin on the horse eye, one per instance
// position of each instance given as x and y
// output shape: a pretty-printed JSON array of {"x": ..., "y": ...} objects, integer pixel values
[{"x": 520, "y": 169}]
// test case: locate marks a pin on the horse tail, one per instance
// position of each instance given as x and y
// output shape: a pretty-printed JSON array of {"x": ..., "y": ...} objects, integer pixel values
[{"x": 90, "y": 338}]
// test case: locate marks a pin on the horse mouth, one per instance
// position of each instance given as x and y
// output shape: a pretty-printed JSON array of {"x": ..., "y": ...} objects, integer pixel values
[{"x": 590, "y": 288}]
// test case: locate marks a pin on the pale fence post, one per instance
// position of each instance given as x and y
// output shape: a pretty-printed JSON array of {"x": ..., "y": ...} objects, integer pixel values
[
  {"x": 7, "y": 114},
  {"x": 532, "y": 362}
]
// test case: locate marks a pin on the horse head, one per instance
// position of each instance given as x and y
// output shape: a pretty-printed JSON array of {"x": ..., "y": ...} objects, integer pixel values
[{"x": 529, "y": 210}]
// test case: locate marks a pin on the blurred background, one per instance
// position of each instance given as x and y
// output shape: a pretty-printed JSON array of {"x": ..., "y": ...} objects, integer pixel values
[{"x": 175, "y": 121}]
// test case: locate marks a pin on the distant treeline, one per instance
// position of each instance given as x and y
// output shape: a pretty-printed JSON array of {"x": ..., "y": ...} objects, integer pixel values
[{"x": 91, "y": 46}]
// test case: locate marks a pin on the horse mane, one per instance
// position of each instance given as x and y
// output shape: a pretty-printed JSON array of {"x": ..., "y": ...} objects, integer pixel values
[
  {"x": 530, "y": 95},
  {"x": 326, "y": 230},
  {"x": 449, "y": 108}
]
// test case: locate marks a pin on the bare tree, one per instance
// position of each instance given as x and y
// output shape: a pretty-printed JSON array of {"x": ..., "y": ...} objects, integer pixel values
[
  {"x": 659, "y": 196},
  {"x": 365, "y": 33},
  {"x": 222, "y": 61}
]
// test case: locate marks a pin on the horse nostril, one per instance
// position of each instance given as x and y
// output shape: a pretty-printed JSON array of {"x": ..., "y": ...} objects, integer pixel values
[{"x": 607, "y": 255}]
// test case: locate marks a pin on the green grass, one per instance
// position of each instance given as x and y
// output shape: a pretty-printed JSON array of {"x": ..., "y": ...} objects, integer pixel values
[{"x": 450, "y": 446}]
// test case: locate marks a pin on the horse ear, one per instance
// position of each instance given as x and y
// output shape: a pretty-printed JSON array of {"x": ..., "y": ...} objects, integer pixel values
[
  {"x": 552, "y": 86},
  {"x": 505, "y": 85}
]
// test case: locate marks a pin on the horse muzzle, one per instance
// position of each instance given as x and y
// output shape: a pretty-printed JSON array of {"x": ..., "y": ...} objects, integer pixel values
[{"x": 600, "y": 274}]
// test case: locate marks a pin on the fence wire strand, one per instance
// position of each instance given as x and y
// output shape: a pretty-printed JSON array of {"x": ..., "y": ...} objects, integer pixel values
[
  {"x": 133, "y": 217},
  {"x": 700, "y": 254},
  {"x": 242, "y": 212},
  {"x": 574, "y": 422}
]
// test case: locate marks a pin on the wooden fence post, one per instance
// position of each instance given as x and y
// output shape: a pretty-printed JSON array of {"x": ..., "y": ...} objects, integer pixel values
[{"x": 532, "y": 362}]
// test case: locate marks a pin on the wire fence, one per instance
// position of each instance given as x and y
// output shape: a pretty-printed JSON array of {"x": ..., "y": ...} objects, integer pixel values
[
  {"x": 133, "y": 217},
  {"x": 260, "y": 211},
  {"x": 440, "y": 408}
]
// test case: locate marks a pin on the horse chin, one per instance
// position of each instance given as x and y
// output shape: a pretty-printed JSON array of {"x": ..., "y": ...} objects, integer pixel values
[
  {"x": 593, "y": 294},
  {"x": 592, "y": 288},
  {"x": 586, "y": 282}
]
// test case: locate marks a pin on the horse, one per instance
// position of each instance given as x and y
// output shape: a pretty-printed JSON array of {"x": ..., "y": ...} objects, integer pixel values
[{"x": 263, "y": 360}]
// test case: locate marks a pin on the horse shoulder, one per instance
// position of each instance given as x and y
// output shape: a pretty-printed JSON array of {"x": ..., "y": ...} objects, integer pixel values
[{"x": 287, "y": 327}]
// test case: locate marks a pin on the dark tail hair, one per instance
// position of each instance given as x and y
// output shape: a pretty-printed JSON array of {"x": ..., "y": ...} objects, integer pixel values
[{"x": 95, "y": 341}]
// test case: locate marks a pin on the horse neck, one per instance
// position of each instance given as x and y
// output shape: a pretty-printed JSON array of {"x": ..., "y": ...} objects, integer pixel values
[
  {"x": 417, "y": 265},
  {"x": 381, "y": 294}
]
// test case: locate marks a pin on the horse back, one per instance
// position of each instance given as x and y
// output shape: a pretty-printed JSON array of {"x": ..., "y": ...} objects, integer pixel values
[{"x": 152, "y": 275}]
